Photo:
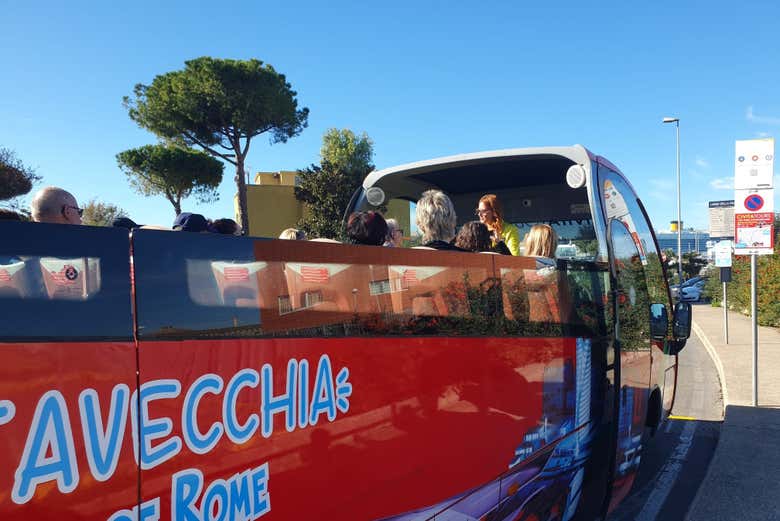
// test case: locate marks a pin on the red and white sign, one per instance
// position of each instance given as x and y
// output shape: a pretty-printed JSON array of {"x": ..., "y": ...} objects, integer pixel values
[
  {"x": 754, "y": 197},
  {"x": 754, "y": 232}
]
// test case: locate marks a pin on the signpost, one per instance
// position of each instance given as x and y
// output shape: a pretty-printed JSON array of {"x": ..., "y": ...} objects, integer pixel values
[
  {"x": 754, "y": 217},
  {"x": 723, "y": 261}
]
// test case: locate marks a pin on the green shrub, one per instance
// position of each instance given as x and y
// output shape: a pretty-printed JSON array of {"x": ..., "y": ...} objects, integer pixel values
[{"x": 768, "y": 282}]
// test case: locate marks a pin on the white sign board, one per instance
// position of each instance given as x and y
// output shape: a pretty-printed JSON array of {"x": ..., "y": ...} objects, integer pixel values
[
  {"x": 754, "y": 197},
  {"x": 721, "y": 219},
  {"x": 723, "y": 254},
  {"x": 754, "y": 164}
]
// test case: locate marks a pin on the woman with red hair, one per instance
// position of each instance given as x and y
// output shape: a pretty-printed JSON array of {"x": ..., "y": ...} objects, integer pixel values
[{"x": 491, "y": 214}]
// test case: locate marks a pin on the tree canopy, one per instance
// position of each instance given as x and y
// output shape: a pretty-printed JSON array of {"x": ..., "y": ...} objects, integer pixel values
[
  {"x": 15, "y": 178},
  {"x": 219, "y": 105},
  {"x": 173, "y": 172},
  {"x": 347, "y": 151},
  {"x": 97, "y": 213},
  {"x": 327, "y": 188}
]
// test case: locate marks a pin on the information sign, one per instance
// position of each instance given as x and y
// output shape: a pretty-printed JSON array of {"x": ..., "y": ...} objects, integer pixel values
[
  {"x": 754, "y": 164},
  {"x": 723, "y": 254},
  {"x": 721, "y": 219},
  {"x": 754, "y": 233}
]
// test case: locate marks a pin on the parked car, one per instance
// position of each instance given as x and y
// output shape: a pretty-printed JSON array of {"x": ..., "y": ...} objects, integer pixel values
[{"x": 692, "y": 289}]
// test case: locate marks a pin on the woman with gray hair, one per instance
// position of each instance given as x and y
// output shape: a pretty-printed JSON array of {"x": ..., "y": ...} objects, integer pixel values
[
  {"x": 436, "y": 220},
  {"x": 395, "y": 235}
]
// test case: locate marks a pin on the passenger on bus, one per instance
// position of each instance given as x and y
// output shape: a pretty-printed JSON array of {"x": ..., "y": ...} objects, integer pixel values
[
  {"x": 368, "y": 228},
  {"x": 436, "y": 219},
  {"x": 293, "y": 234},
  {"x": 474, "y": 236},
  {"x": 491, "y": 213},
  {"x": 55, "y": 205},
  {"x": 225, "y": 227},
  {"x": 541, "y": 241},
  {"x": 395, "y": 235},
  {"x": 190, "y": 222},
  {"x": 9, "y": 215}
]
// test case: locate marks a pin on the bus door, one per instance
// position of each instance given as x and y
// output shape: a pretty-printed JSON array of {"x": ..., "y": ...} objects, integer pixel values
[
  {"x": 68, "y": 372},
  {"x": 632, "y": 364}
]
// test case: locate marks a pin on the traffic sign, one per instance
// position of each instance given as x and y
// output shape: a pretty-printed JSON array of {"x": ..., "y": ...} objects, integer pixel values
[{"x": 754, "y": 202}]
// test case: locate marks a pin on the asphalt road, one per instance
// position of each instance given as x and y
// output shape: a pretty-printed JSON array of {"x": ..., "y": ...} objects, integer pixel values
[{"x": 675, "y": 461}]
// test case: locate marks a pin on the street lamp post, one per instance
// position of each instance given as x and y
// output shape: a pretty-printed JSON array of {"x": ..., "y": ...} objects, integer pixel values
[{"x": 676, "y": 121}]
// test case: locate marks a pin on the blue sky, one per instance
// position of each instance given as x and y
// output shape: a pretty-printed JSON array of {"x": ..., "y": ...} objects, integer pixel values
[{"x": 422, "y": 79}]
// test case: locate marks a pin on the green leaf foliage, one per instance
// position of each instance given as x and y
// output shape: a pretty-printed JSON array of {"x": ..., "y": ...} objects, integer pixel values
[
  {"x": 97, "y": 213},
  {"x": 173, "y": 172},
  {"x": 220, "y": 105},
  {"x": 15, "y": 178},
  {"x": 347, "y": 151},
  {"x": 327, "y": 188},
  {"x": 215, "y": 101},
  {"x": 738, "y": 290}
]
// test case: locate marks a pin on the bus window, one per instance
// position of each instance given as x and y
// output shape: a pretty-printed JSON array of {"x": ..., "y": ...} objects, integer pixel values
[
  {"x": 68, "y": 371},
  {"x": 195, "y": 284},
  {"x": 79, "y": 275},
  {"x": 622, "y": 204},
  {"x": 284, "y": 288}
]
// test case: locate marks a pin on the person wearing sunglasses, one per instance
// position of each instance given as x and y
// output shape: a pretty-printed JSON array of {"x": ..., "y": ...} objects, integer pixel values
[
  {"x": 55, "y": 205},
  {"x": 491, "y": 214}
]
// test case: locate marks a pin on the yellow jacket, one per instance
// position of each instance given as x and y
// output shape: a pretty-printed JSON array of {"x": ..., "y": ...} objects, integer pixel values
[{"x": 511, "y": 237}]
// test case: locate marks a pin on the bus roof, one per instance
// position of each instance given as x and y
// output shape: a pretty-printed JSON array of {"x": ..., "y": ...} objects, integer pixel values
[{"x": 574, "y": 154}]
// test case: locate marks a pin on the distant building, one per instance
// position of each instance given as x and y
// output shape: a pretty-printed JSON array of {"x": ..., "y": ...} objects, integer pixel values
[
  {"x": 272, "y": 206},
  {"x": 692, "y": 240}
]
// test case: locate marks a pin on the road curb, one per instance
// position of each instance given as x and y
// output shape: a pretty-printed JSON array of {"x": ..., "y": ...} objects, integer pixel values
[{"x": 716, "y": 360}]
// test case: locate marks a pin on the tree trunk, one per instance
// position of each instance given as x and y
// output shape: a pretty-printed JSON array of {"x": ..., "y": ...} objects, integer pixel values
[
  {"x": 243, "y": 217},
  {"x": 175, "y": 200}
]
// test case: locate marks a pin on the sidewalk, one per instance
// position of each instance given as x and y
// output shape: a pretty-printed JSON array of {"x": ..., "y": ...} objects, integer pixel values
[
  {"x": 742, "y": 481},
  {"x": 735, "y": 360}
]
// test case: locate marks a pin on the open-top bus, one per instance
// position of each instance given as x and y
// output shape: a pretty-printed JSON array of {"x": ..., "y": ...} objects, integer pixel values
[{"x": 162, "y": 375}]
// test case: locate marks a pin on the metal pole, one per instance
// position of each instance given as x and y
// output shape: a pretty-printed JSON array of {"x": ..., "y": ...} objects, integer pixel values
[
  {"x": 754, "y": 320},
  {"x": 725, "y": 314},
  {"x": 679, "y": 214}
]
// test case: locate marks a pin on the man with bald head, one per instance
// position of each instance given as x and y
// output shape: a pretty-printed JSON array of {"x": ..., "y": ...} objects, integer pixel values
[{"x": 55, "y": 205}]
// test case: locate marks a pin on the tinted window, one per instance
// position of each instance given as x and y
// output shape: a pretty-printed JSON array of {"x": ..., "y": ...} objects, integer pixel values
[
  {"x": 60, "y": 282},
  {"x": 621, "y": 203},
  {"x": 194, "y": 286},
  {"x": 632, "y": 303}
]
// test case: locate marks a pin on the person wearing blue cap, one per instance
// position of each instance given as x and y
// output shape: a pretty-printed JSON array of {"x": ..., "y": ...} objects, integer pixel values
[{"x": 190, "y": 222}]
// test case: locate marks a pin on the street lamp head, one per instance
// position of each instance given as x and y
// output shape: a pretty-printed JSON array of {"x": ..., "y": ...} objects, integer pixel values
[{"x": 671, "y": 120}]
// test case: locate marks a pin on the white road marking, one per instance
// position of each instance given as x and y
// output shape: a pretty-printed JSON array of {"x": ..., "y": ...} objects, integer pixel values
[{"x": 666, "y": 477}]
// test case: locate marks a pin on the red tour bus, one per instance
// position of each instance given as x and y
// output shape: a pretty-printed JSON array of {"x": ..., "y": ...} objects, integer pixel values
[{"x": 161, "y": 375}]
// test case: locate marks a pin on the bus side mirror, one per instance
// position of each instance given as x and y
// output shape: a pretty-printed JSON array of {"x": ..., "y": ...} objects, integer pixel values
[
  {"x": 681, "y": 327},
  {"x": 659, "y": 321}
]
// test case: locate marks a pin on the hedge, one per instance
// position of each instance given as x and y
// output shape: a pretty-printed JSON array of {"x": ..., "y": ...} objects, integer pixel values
[{"x": 767, "y": 280}]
